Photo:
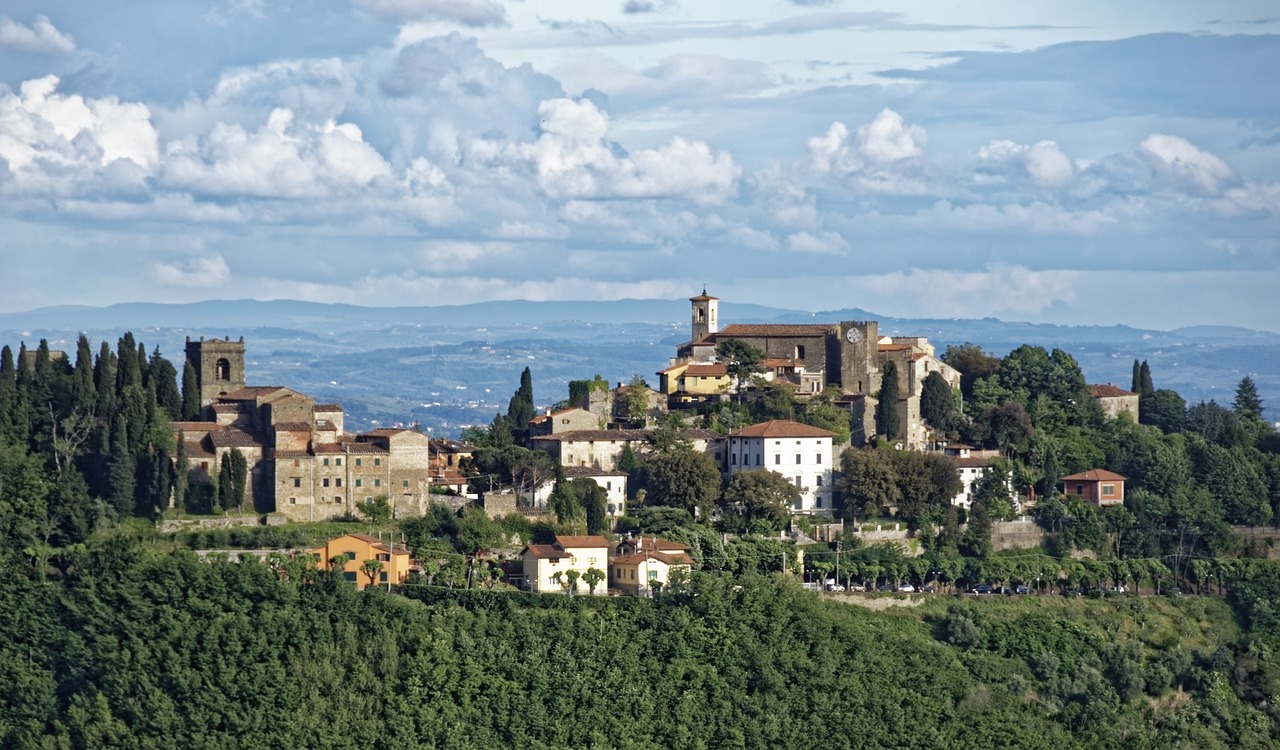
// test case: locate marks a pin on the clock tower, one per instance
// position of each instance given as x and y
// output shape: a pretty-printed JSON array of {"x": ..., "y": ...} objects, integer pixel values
[{"x": 857, "y": 345}]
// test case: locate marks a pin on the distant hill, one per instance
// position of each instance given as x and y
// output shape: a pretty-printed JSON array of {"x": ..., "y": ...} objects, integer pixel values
[{"x": 449, "y": 366}]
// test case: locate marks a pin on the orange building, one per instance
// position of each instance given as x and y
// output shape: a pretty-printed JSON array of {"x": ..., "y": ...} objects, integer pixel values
[
  {"x": 1097, "y": 486},
  {"x": 359, "y": 548}
]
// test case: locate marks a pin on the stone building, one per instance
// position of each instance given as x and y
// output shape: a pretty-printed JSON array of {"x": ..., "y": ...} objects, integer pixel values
[
  {"x": 799, "y": 452},
  {"x": 303, "y": 464},
  {"x": 1116, "y": 401}
]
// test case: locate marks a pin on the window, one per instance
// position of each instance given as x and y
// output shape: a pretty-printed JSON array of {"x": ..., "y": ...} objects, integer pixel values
[
  {"x": 1108, "y": 490},
  {"x": 359, "y": 482},
  {"x": 377, "y": 462},
  {"x": 777, "y": 459},
  {"x": 337, "y": 462},
  {"x": 799, "y": 352},
  {"x": 337, "y": 483},
  {"x": 204, "y": 465},
  {"x": 734, "y": 459},
  {"x": 1079, "y": 489},
  {"x": 326, "y": 462},
  {"x": 819, "y": 480},
  {"x": 382, "y": 576},
  {"x": 797, "y": 459},
  {"x": 819, "y": 458},
  {"x": 293, "y": 501},
  {"x": 297, "y": 481},
  {"x": 222, "y": 370},
  {"x": 757, "y": 459},
  {"x": 377, "y": 483},
  {"x": 325, "y": 482},
  {"x": 798, "y": 482},
  {"x": 384, "y": 557},
  {"x": 337, "y": 498},
  {"x": 405, "y": 483},
  {"x": 349, "y": 577},
  {"x": 653, "y": 575},
  {"x": 358, "y": 462},
  {"x": 350, "y": 555}
]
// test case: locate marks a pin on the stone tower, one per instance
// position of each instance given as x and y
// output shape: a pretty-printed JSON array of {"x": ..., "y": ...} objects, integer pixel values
[
  {"x": 706, "y": 313},
  {"x": 219, "y": 366},
  {"x": 856, "y": 348}
]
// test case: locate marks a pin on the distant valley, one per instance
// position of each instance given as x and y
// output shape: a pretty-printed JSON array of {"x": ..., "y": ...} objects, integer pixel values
[{"x": 451, "y": 366}]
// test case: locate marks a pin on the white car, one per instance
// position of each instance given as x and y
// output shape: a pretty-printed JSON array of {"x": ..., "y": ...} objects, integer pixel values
[
  {"x": 834, "y": 587},
  {"x": 907, "y": 588}
]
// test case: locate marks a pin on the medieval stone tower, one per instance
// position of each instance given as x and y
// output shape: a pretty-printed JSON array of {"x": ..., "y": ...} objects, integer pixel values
[
  {"x": 219, "y": 366},
  {"x": 706, "y": 314},
  {"x": 855, "y": 356}
]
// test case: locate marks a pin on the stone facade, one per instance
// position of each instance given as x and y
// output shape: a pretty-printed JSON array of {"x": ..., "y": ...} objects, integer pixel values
[
  {"x": 219, "y": 367},
  {"x": 799, "y": 452}
]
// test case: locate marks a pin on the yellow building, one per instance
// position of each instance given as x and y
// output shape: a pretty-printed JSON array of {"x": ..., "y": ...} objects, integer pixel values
[
  {"x": 358, "y": 548},
  {"x": 645, "y": 562},
  {"x": 546, "y": 566}
]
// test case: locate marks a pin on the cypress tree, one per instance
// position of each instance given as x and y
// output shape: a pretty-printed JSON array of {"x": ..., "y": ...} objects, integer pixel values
[
  {"x": 9, "y": 397},
  {"x": 887, "y": 424},
  {"x": 104, "y": 379},
  {"x": 239, "y": 477},
  {"x": 937, "y": 404},
  {"x": 121, "y": 469},
  {"x": 1145, "y": 386},
  {"x": 128, "y": 369},
  {"x": 520, "y": 409},
  {"x": 190, "y": 392},
  {"x": 182, "y": 471},
  {"x": 226, "y": 483},
  {"x": 84, "y": 394},
  {"x": 164, "y": 377}
]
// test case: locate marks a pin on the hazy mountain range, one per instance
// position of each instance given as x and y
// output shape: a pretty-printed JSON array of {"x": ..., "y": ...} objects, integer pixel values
[{"x": 450, "y": 366}]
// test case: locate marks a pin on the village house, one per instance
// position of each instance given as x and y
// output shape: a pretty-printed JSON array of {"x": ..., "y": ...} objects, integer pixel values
[
  {"x": 355, "y": 550},
  {"x": 600, "y": 449},
  {"x": 1116, "y": 401},
  {"x": 614, "y": 483},
  {"x": 547, "y": 566},
  {"x": 1097, "y": 486},
  {"x": 799, "y": 452},
  {"x": 642, "y": 565}
]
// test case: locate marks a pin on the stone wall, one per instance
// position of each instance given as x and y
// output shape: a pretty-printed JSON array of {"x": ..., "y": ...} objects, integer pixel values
[
  {"x": 173, "y": 525},
  {"x": 1017, "y": 534}
]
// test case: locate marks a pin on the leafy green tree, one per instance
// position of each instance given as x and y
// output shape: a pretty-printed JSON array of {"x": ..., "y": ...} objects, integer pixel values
[
  {"x": 888, "y": 423},
  {"x": 993, "y": 490},
  {"x": 868, "y": 482},
  {"x": 1164, "y": 409},
  {"x": 371, "y": 568},
  {"x": 593, "y": 577},
  {"x": 777, "y": 402},
  {"x": 761, "y": 499},
  {"x": 973, "y": 364},
  {"x": 638, "y": 401},
  {"x": 683, "y": 478},
  {"x": 377, "y": 509},
  {"x": 822, "y": 411},
  {"x": 743, "y": 359}
]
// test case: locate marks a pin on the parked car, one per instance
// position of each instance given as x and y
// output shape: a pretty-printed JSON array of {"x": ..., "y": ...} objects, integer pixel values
[
  {"x": 884, "y": 587},
  {"x": 834, "y": 587},
  {"x": 907, "y": 588},
  {"x": 928, "y": 589},
  {"x": 982, "y": 588},
  {"x": 1021, "y": 589},
  {"x": 857, "y": 587}
]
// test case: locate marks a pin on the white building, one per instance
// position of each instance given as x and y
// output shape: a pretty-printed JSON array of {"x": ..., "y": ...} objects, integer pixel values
[{"x": 799, "y": 452}]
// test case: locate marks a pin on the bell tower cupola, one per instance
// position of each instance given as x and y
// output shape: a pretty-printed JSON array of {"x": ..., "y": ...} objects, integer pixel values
[{"x": 706, "y": 313}]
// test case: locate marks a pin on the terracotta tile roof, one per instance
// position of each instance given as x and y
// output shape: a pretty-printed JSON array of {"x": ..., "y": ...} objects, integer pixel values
[
  {"x": 717, "y": 370},
  {"x": 672, "y": 369},
  {"x": 328, "y": 448},
  {"x": 577, "y": 436},
  {"x": 779, "y": 362},
  {"x": 704, "y": 297},
  {"x": 678, "y": 558},
  {"x": 653, "y": 544},
  {"x": 194, "y": 426},
  {"x": 1109, "y": 391},
  {"x": 196, "y": 448},
  {"x": 894, "y": 347},
  {"x": 360, "y": 448},
  {"x": 230, "y": 438},
  {"x": 1094, "y": 475},
  {"x": 329, "y": 407},
  {"x": 971, "y": 462},
  {"x": 780, "y": 428},
  {"x": 325, "y": 425},
  {"x": 293, "y": 454},
  {"x": 388, "y": 431},
  {"x": 292, "y": 427},
  {"x": 581, "y": 541},
  {"x": 774, "y": 329},
  {"x": 545, "y": 551},
  {"x": 249, "y": 393}
]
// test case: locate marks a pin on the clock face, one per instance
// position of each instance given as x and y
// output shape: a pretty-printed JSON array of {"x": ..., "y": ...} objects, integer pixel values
[{"x": 854, "y": 335}]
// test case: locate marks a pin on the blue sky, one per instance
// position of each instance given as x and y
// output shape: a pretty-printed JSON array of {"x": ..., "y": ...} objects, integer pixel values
[{"x": 1089, "y": 162}]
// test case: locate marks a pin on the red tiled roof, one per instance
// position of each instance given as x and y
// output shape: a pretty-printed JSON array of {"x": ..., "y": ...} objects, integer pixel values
[
  {"x": 774, "y": 329},
  {"x": 707, "y": 370},
  {"x": 293, "y": 454},
  {"x": 782, "y": 428},
  {"x": 329, "y": 407},
  {"x": 582, "y": 541},
  {"x": 229, "y": 438},
  {"x": 360, "y": 448},
  {"x": 1109, "y": 391},
  {"x": 545, "y": 551},
  {"x": 779, "y": 362},
  {"x": 678, "y": 558},
  {"x": 388, "y": 431},
  {"x": 249, "y": 393},
  {"x": 330, "y": 448},
  {"x": 292, "y": 427},
  {"x": 325, "y": 425},
  {"x": 894, "y": 347},
  {"x": 574, "y": 436},
  {"x": 1094, "y": 475},
  {"x": 195, "y": 426}
]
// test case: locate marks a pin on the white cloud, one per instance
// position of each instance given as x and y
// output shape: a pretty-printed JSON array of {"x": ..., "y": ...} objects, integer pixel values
[
  {"x": 53, "y": 142},
  {"x": 572, "y": 160},
  {"x": 281, "y": 159},
  {"x": 821, "y": 243},
  {"x": 1252, "y": 196},
  {"x": 1045, "y": 163},
  {"x": 473, "y": 13},
  {"x": 40, "y": 38},
  {"x": 1036, "y": 217},
  {"x": 998, "y": 290},
  {"x": 829, "y": 152},
  {"x": 208, "y": 272},
  {"x": 1178, "y": 158},
  {"x": 887, "y": 139}
]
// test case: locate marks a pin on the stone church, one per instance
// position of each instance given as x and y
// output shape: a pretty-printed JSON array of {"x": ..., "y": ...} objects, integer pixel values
[{"x": 849, "y": 356}]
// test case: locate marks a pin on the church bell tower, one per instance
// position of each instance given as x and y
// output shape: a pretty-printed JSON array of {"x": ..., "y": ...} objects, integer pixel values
[{"x": 706, "y": 311}]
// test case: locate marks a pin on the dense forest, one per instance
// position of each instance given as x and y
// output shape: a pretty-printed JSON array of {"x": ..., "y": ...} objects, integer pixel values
[{"x": 109, "y": 639}]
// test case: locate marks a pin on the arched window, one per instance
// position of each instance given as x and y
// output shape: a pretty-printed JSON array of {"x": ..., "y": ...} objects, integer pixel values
[{"x": 222, "y": 370}]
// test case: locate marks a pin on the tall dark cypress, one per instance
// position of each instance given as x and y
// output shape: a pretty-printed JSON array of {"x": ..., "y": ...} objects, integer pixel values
[
  {"x": 887, "y": 423},
  {"x": 121, "y": 469},
  {"x": 520, "y": 410},
  {"x": 190, "y": 392},
  {"x": 1145, "y": 386},
  {"x": 162, "y": 374},
  {"x": 83, "y": 391},
  {"x": 104, "y": 380},
  {"x": 1136, "y": 383},
  {"x": 9, "y": 397}
]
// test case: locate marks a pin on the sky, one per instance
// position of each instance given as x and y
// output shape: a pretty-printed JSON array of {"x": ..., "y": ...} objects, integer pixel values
[{"x": 1083, "y": 163}]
